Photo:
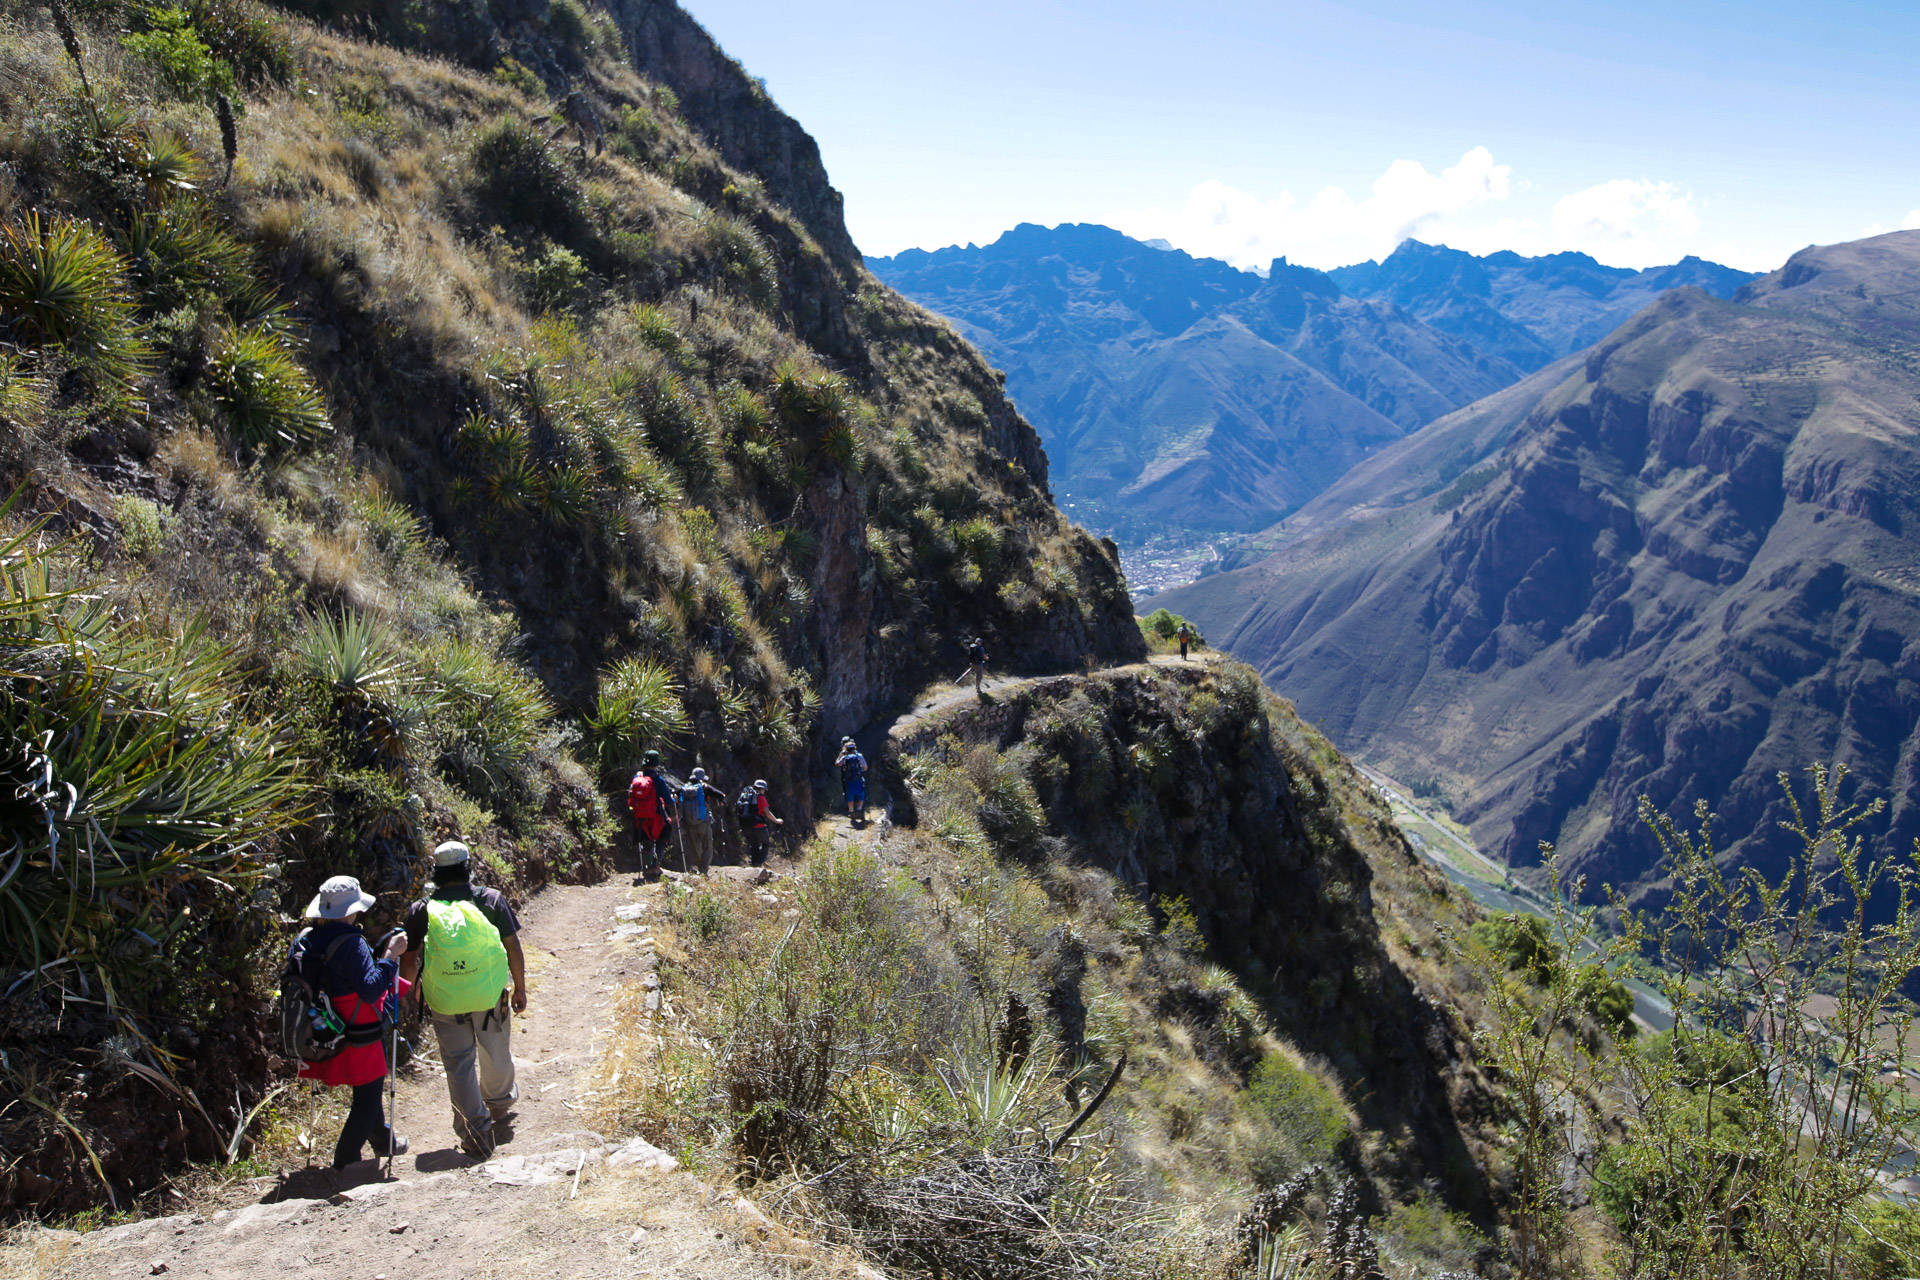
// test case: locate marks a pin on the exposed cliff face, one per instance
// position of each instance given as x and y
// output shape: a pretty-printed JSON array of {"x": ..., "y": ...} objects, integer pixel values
[
  {"x": 729, "y": 107},
  {"x": 1689, "y": 566},
  {"x": 1195, "y": 783}
]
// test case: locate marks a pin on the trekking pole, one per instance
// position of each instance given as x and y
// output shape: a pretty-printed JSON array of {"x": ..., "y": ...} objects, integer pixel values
[
  {"x": 393, "y": 1076},
  {"x": 393, "y": 1050}
]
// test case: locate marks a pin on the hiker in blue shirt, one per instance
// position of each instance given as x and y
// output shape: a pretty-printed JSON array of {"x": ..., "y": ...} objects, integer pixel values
[
  {"x": 700, "y": 804},
  {"x": 853, "y": 776}
]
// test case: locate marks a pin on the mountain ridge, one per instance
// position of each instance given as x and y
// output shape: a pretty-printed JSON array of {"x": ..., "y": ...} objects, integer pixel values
[
  {"x": 1176, "y": 392},
  {"x": 1684, "y": 564},
  {"x": 1181, "y": 397}
]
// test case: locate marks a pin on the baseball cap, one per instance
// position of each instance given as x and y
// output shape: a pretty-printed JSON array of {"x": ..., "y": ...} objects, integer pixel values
[
  {"x": 452, "y": 853},
  {"x": 339, "y": 898},
  {"x": 759, "y": 784}
]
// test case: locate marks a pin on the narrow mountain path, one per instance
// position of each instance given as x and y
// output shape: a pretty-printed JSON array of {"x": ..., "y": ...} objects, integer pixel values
[{"x": 556, "y": 1199}]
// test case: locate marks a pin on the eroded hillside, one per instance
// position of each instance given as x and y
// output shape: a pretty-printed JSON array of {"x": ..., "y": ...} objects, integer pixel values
[{"x": 1688, "y": 567}]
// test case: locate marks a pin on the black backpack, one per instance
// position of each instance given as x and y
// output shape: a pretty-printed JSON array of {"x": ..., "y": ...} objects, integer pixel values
[
  {"x": 310, "y": 1030},
  {"x": 745, "y": 807}
]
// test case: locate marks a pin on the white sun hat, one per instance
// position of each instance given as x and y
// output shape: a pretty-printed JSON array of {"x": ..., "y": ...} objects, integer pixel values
[{"x": 339, "y": 898}]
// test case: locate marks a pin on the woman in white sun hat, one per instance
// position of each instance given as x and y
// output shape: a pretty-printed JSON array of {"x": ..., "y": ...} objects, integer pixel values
[{"x": 336, "y": 958}]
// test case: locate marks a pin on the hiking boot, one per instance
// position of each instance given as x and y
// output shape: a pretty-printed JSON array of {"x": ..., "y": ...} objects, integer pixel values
[
  {"x": 476, "y": 1136},
  {"x": 398, "y": 1147}
]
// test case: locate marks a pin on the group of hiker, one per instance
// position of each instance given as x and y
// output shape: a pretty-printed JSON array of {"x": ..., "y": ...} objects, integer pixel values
[
  {"x": 458, "y": 952},
  {"x": 669, "y": 815},
  {"x": 340, "y": 1003}
]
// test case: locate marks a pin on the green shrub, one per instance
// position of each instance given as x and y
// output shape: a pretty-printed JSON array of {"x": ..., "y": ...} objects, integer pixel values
[
  {"x": 979, "y": 541},
  {"x": 555, "y": 276},
  {"x": 168, "y": 39},
  {"x": 178, "y": 254},
  {"x": 1303, "y": 1120},
  {"x": 567, "y": 24},
  {"x": 246, "y": 38},
  {"x": 141, "y": 779},
  {"x": 491, "y": 714},
  {"x": 264, "y": 397},
  {"x": 143, "y": 530},
  {"x": 514, "y": 180},
  {"x": 707, "y": 916},
  {"x": 1887, "y": 1240},
  {"x": 514, "y": 74},
  {"x": 1520, "y": 941},
  {"x": 740, "y": 256}
]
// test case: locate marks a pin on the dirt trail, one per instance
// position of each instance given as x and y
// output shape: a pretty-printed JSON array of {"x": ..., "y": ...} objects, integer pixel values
[{"x": 555, "y": 1200}]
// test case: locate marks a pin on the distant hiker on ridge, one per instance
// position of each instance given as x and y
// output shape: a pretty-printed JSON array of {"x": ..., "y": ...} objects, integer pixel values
[
  {"x": 976, "y": 663},
  {"x": 337, "y": 964},
  {"x": 853, "y": 777},
  {"x": 1183, "y": 635},
  {"x": 697, "y": 816},
  {"x": 651, "y": 798},
  {"x": 464, "y": 941}
]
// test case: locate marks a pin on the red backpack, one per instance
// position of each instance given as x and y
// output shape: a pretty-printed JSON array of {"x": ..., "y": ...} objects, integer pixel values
[{"x": 642, "y": 797}]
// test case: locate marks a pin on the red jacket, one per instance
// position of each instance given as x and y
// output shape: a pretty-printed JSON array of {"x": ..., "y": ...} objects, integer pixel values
[{"x": 357, "y": 1063}]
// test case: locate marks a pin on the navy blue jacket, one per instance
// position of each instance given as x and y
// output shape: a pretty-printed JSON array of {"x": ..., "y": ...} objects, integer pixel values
[{"x": 353, "y": 970}]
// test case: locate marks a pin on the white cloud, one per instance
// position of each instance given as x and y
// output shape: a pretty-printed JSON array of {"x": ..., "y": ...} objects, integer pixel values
[
  {"x": 1911, "y": 222},
  {"x": 1624, "y": 222},
  {"x": 1220, "y": 221}
]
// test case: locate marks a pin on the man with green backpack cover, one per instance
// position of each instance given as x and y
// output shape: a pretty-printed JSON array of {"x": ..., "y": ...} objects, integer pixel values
[{"x": 463, "y": 940}]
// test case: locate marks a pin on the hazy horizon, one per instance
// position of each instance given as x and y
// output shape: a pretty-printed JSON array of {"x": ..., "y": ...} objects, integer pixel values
[{"x": 1327, "y": 132}]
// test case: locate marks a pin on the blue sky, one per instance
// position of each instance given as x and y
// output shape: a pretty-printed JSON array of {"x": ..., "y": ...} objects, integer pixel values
[{"x": 1637, "y": 131}]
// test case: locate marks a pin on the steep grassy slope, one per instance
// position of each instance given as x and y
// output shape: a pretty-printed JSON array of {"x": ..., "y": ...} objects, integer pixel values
[
  {"x": 1178, "y": 394},
  {"x": 1689, "y": 566},
  {"x": 1156, "y": 864},
  {"x": 476, "y": 461}
]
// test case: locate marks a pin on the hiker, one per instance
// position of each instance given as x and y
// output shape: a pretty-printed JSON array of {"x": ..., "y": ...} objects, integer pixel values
[
  {"x": 1183, "y": 635},
  {"x": 464, "y": 941},
  {"x": 755, "y": 817},
  {"x": 339, "y": 964},
  {"x": 976, "y": 663},
  {"x": 853, "y": 777},
  {"x": 697, "y": 817},
  {"x": 651, "y": 797}
]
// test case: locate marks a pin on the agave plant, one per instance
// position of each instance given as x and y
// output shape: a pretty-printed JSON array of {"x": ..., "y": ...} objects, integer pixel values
[
  {"x": 167, "y": 165},
  {"x": 135, "y": 793},
  {"x": 63, "y": 284},
  {"x": 177, "y": 252},
  {"x": 380, "y": 704},
  {"x": 494, "y": 713},
  {"x": 639, "y": 706},
  {"x": 264, "y": 395}
]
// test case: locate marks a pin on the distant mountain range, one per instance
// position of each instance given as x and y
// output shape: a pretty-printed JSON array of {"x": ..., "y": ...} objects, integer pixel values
[
  {"x": 1671, "y": 565},
  {"x": 1527, "y": 311},
  {"x": 1181, "y": 396}
]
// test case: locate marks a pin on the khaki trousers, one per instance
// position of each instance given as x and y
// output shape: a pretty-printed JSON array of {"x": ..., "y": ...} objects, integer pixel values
[{"x": 476, "y": 1049}]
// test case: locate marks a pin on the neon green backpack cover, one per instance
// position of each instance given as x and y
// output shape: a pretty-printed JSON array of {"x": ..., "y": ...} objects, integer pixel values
[{"x": 465, "y": 966}]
